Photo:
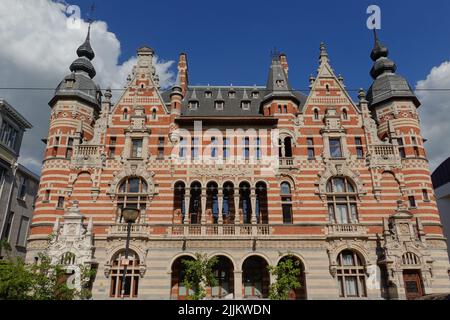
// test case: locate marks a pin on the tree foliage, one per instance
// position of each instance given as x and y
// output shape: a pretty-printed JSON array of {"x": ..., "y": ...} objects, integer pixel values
[
  {"x": 39, "y": 281},
  {"x": 198, "y": 275},
  {"x": 287, "y": 274}
]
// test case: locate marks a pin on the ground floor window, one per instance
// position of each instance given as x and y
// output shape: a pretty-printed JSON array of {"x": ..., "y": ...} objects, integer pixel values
[
  {"x": 351, "y": 275},
  {"x": 132, "y": 275}
]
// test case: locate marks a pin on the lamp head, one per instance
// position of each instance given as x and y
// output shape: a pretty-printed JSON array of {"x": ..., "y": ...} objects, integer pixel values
[{"x": 130, "y": 215}]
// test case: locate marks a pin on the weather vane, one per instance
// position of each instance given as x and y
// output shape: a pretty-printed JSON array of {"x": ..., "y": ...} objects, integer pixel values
[{"x": 274, "y": 54}]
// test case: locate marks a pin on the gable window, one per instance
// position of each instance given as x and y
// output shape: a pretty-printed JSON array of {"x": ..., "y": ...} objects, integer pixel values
[
  {"x": 342, "y": 208},
  {"x": 351, "y": 275},
  {"x": 154, "y": 114},
  {"x": 335, "y": 148},
  {"x": 125, "y": 114},
  {"x": 359, "y": 148},
  {"x": 245, "y": 105},
  {"x": 136, "y": 151},
  {"x": 286, "y": 202},
  {"x": 316, "y": 114},
  {"x": 344, "y": 114},
  {"x": 311, "y": 153},
  {"x": 219, "y": 105},
  {"x": 193, "y": 105},
  {"x": 208, "y": 94}
]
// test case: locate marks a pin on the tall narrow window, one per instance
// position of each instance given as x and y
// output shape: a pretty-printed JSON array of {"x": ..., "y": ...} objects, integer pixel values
[
  {"x": 335, "y": 148},
  {"x": 401, "y": 148},
  {"x": 344, "y": 114},
  {"x": 154, "y": 114},
  {"x": 125, "y": 114},
  {"x": 112, "y": 147},
  {"x": 245, "y": 105},
  {"x": 132, "y": 193},
  {"x": 258, "y": 149},
  {"x": 286, "y": 202},
  {"x": 219, "y": 105},
  {"x": 8, "y": 225},
  {"x": 285, "y": 109},
  {"x": 359, "y": 148},
  {"x": 179, "y": 198},
  {"x": 247, "y": 148},
  {"x": 226, "y": 150},
  {"x": 412, "y": 202},
  {"x": 23, "y": 189},
  {"x": 55, "y": 147},
  {"x": 194, "y": 148},
  {"x": 342, "y": 207},
  {"x": 161, "y": 148},
  {"x": 426, "y": 197},
  {"x": 69, "y": 151},
  {"x": 311, "y": 152},
  {"x": 47, "y": 196},
  {"x": 351, "y": 275},
  {"x": 279, "y": 108},
  {"x": 213, "y": 147},
  {"x": 136, "y": 151},
  {"x": 182, "y": 149},
  {"x": 60, "y": 203}
]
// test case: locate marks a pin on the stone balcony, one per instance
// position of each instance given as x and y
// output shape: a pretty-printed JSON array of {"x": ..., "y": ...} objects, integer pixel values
[
  {"x": 287, "y": 163},
  {"x": 137, "y": 231},
  {"x": 87, "y": 156},
  {"x": 346, "y": 231},
  {"x": 221, "y": 230},
  {"x": 384, "y": 155}
]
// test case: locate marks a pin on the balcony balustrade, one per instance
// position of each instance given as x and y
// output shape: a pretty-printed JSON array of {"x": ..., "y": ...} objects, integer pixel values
[{"x": 346, "y": 231}]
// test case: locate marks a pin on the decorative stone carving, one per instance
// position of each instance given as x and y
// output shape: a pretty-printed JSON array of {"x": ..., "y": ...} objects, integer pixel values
[
  {"x": 74, "y": 238},
  {"x": 132, "y": 170}
]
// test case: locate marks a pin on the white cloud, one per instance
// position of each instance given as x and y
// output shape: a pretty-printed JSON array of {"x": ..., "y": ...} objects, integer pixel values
[
  {"x": 37, "y": 50},
  {"x": 435, "y": 113}
]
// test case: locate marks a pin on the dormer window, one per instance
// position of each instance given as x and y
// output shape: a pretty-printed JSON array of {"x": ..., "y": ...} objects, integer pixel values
[
  {"x": 245, "y": 105},
  {"x": 255, "y": 94},
  {"x": 193, "y": 105},
  {"x": 219, "y": 105},
  {"x": 280, "y": 83},
  {"x": 232, "y": 94},
  {"x": 208, "y": 94}
]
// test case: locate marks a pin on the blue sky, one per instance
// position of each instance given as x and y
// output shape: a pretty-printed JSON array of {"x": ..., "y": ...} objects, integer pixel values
[{"x": 230, "y": 42}]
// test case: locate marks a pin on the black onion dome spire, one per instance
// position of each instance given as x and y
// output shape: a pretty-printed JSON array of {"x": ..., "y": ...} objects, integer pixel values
[
  {"x": 387, "y": 84},
  {"x": 85, "y": 55},
  {"x": 85, "y": 50},
  {"x": 382, "y": 64}
]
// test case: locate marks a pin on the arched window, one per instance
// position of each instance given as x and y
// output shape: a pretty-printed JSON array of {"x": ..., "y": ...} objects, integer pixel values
[
  {"x": 286, "y": 202},
  {"x": 132, "y": 193},
  {"x": 154, "y": 114},
  {"x": 125, "y": 114},
  {"x": 132, "y": 278},
  {"x": 345, "y": 114},
  {"x": 179, "y": 194},
  {"x": 316, "y": 114},
  {"x": 212, "y": 200},
  {"x": 351, "y": 275},
  {"x": 342, "y": 208},
  {"x": 261, "y": 203},
  {"x": 195, "y": 203},
  {"x": 228, "y": 203},
  {"x": 245, "y": 204}
]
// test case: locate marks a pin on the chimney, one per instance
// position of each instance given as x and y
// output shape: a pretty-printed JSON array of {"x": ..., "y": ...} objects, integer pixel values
[{"x": 183, "y": 72}]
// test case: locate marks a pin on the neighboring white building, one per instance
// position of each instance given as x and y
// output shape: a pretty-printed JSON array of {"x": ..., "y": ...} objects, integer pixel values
[{"x": 441, "y": 183}]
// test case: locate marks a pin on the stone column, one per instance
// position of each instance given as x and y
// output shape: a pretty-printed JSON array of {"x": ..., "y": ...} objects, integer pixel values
[
  {"x": 220, "y": 205},
  {"x": 237, "y": 216},
  {"x": 253, "y": 210},
  {"x": 187, "y": 198},
  {"x": 203, "y": 213},
  {"x": 238, "y": 285}
]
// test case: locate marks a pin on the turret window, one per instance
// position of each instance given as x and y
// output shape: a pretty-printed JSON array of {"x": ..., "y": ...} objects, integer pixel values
[
  {"x": 426, "y": 197},
  {"x": 69, "y": 150},
  {"x": 412, "y": 202},
  {"x": 401, "y": 148}
]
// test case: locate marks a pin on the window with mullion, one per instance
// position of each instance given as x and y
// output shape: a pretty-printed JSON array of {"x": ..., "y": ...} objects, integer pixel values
[
  {"x": 342, "y": 203},
  {"x": 351, "y": 275}
]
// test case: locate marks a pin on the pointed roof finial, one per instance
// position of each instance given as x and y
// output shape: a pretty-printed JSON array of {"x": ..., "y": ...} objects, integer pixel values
[{"x": 323, "y": 53}]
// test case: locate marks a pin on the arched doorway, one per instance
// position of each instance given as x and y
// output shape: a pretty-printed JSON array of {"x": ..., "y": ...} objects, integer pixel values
[
  {"x": 255, "y": 278},
  {"x": 178, "y": 198},
  {"x": 178, "y": 289},
  {"x": 224, "y": 274},
  {"x": 299, "y": 293}
]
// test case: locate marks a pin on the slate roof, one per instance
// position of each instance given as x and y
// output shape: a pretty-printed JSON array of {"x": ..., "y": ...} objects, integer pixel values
[{"x": 232, "y": 106}]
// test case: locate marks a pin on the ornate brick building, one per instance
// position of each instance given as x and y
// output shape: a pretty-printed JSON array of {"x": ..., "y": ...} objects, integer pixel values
[{"x": 249, "y": 174}]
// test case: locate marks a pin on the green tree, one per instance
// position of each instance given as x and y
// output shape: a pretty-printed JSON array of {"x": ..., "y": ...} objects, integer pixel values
[
  {"x": 199, "y": 274},
  {"x": 287, "y": 274},
  {"x": 39, "y": 281}
]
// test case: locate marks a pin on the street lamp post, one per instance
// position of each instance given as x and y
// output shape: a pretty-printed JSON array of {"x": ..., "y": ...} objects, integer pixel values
[{"x": 130, "y": 216}]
